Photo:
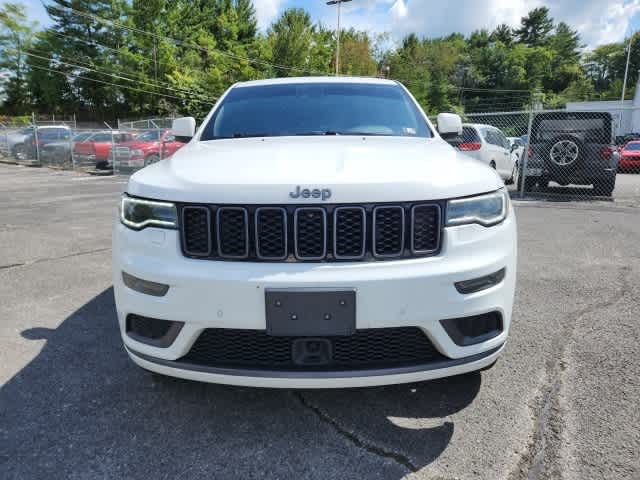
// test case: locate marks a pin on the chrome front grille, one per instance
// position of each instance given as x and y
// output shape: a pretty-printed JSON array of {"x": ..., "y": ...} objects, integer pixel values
[{"x": 292, "y": 233}]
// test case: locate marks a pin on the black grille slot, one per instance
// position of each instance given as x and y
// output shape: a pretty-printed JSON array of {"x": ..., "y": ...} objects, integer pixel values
[
  {"x": 196, "y": 230},
  {"x": 367, "y": 349},
  {"x": 271, "y": 233},
  {"x": 425, "y": 230},
  {"x": 349, "y": 232},
  {"x": 310, "y": 233},
  {"x": 233, "y": 232},
  {"x": 388, "y": 231},
  {"x": 328, "y": 233}
]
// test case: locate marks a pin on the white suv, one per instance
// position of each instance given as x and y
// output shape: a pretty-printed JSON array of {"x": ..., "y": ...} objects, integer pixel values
[
  {"x": 489, "y": 145},
  {"x": 315, "y": 232}
]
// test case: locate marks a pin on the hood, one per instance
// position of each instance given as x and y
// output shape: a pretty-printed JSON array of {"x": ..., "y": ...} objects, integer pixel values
[
  {"x": 15, "y": 138},
  {"x": 354, "y": 169}
]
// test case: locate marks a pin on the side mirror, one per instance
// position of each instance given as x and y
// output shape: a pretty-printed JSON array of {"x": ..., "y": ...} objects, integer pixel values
[
  {"x": 184, "y": 128},
  {"x": 449, "y": 125},
  {"x": 514, "y": 147}
]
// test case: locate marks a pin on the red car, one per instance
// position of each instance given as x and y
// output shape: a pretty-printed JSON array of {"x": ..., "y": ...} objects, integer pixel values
[
  {"x": 147, "y": 148},
  {"x": 97, "y": 148},
  {"x": 630, "y": 157}
]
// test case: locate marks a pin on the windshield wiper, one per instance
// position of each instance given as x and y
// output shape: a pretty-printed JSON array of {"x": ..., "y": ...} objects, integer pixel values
[
  {"x": 365, "y": 134},
  {"x": 318, "y": 133},
  {"x": 250, "y": 135}
]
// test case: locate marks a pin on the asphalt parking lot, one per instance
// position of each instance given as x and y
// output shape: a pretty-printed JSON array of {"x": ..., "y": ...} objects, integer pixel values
[{"x": 562, "y": 402}]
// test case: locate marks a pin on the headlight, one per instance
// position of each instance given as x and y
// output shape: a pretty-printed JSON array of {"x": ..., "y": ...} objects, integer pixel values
[
  {"x": 137, "y": 213},
  {"x": 137, "y": 153},
  {"x": 487, "y": 210}
]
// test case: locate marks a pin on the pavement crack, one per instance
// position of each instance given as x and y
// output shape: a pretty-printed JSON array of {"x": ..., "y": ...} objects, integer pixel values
[
  {"x": 11, "y": 265},
  {"x": 548, "y": 413},
  {"x": 50, "y": 259},
  {"x": 359, "y": 442}
]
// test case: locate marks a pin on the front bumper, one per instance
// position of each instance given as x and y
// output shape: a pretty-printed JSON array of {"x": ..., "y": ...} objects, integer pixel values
[
  {"x": 129, "y": 162},
  {"x": 411, "y": 292}
]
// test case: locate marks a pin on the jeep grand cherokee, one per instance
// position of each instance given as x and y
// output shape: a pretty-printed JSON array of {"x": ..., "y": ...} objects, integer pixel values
[{"x": 315, "y": 232}]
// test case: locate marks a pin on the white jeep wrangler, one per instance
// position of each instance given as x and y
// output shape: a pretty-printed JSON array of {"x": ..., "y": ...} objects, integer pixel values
[{"x": 314, "y": 233}]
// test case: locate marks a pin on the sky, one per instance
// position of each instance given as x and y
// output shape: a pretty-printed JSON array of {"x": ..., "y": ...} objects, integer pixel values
[{"x": 597, "y": 21}]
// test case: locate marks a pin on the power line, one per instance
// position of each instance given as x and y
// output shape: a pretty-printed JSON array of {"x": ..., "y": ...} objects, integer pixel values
[
  {"x": 93, "y": 42},
  {"x": 68, "y": 74},
  {"x": 120, "y": 77},
  {"x": 177, "y": 42},
  {"x": 88, "y": 66},
  {"x": 497, "y": 90}
]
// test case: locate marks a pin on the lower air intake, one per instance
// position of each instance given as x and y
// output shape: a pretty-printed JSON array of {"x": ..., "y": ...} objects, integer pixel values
[{"x": 374, "y": 348}]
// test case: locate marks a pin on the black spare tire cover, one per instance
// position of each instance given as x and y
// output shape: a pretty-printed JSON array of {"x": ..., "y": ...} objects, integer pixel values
[{"x": 564, "y": 154}]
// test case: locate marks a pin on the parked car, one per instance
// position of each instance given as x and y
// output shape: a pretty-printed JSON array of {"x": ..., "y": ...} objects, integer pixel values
[
  {"x": 97, "y": 149},
  {"x": 13, "y": 138},
  {"x": 630, "y": 157},
  {"x": 25, "y": 148},
  {"x": 60, "y": 151},
  {"x": 489, "y": 145},
  {"x": 517, "y": 146},
  {"x": 147, "y": 148},
  {"x": 342, "y": 244},
  {"x": 572, "y": 148}
]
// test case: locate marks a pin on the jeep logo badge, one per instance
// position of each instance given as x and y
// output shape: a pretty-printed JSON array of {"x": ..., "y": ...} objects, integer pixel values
[{"x": 323, "y": 194}]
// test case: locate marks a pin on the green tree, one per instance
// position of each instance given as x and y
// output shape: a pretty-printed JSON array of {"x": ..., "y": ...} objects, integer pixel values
[
  {"x": 502, "y": 33},
  {"x": 565, "y": 65},
  {"x": 292, "y": 38},
  {"x": 84, "y": 48},
  {"x": 535, "y": 28},
  {"x": 16, "y": 37},
  {"x": 357, "y": 54},
  {"x": 602, "y": 65}
]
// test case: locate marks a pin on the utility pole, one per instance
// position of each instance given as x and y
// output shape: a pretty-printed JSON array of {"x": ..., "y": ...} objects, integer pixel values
[
  {"x": 155, "y": 61},
  {"x": 339, "y": 3},
  {"x": 626, "y": 70}
]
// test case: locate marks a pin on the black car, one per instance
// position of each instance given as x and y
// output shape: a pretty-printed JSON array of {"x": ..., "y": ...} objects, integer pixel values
[
  {"x": 43, "y": 137},
  {"x": 60, "y": 151},
  {"x": 571, "y": 148}
]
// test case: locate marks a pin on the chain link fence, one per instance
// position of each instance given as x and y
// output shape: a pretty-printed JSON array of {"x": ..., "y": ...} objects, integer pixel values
[
  {"x": 555, "y": 153},
  {"x": 549, "y": 154},
  {"x": 100, "y": 150}
]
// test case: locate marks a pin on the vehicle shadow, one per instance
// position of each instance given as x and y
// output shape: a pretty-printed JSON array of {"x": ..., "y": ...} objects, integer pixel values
[{"x": 81, "y": 409}]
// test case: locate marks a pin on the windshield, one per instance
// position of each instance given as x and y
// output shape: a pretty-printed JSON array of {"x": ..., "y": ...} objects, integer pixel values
[
  {"x": 316, "y": 109},
  {"x": 82, "y": 136},
  {"x": 152, "y": 136},
  {"x": 633, "y": 146}
]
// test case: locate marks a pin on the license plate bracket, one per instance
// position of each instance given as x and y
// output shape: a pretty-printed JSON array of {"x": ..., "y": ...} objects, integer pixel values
[{"x": 310, "y": 312}]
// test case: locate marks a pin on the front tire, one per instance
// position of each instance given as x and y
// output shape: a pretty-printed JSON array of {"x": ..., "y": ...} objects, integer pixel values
[
  {"x": 20, "y": 152},
  {"x": 529, "y": 183},
  {"x": 514, "y": 175}
]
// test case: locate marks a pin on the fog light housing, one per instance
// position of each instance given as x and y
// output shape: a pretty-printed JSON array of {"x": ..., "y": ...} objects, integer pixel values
[
  {"x": 467, "y": 331},
  {"x": 481, "y": 283},
  {"x": 152, "y": 331},
  {"x": 145, "y": 286}
]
